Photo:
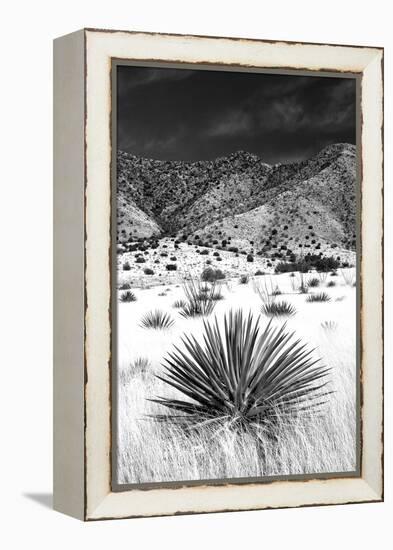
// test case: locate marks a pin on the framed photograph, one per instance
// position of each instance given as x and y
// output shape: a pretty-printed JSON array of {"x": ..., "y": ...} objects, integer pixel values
[{"x": 218, "y": 274}]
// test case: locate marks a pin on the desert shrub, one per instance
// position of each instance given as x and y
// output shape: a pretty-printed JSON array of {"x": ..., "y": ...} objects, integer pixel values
[
  {"x": 326, "y": 264},
  {"x": 140, "y": 260},
  {"x": 242, "y": 374},
  {"x": 126, "y": 266},
  {"x": 319, "y": 297},
  {"x": 208, "y": 262},
  {"x": 244, "y": 279},
  {"x": 210, "y": 275},
  {"x": 331, "y": 283},
  {"x": 286, "y": 267},
  {"x": 313, "y": 282},
  {"x": 173, "y": 258},
  {"x": 157, "y": 320},
  {"x": 329, "y": 325},
  {"x": 233, "y": 249},
  {"x": 171, "y": 267},
  {"x": 250, "y": 258},
  {"x": 278, "y": 309},
  {"x": 216, "y": 254},
  {"x": 334, "y": 274},
  {"x": 148, "y": 271},
  {"x": 178, "y": 304},
  {"x": 164, "y": 254},
  {"x": 125, "y": 286},
  {"x": 219, "y": 259},
  {"x": 156, "y": 261},
  {"x": 259, "y": 272},
  {"x": 128, "y": 297},
  {"x": 198, "y": 300},
  {"x": 276, "y": 291},
  {"x": 204, "y": 252}
]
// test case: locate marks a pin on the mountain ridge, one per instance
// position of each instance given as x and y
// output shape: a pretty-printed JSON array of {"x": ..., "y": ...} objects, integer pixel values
[{"x": 183, "y": 199}]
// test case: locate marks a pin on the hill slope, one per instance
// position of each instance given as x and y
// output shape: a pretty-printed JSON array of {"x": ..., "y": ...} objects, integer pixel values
[{"x": 282, "y": 209}]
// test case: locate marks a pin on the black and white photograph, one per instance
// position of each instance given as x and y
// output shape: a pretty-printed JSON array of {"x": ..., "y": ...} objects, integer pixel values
[{"x": 235, "y": 281}]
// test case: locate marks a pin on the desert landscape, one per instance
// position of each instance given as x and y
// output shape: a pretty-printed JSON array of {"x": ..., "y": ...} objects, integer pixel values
[{"x": 236, "y": 308}]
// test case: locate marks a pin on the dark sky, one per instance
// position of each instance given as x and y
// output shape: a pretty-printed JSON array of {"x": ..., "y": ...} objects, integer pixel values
[{"x": 181, "y": 114}]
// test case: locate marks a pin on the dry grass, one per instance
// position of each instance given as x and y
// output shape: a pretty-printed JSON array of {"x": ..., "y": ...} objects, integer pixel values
[{"x": 152, "y": 451}]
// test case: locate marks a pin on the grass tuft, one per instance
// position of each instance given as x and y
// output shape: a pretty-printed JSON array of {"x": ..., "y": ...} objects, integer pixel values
[
  {"x": 157, "y": 320},
  {"x": 319, "y": 297},
  {"x": 278, "y": 309},
  {"x": 128, "y": 297}
]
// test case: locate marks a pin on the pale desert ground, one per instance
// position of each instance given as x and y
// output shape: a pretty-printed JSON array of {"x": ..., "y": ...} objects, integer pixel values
[{"x": 149, "y": 451}]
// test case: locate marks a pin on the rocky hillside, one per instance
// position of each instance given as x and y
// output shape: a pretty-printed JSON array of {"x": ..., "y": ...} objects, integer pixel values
[{"x": 241, "y": 202}]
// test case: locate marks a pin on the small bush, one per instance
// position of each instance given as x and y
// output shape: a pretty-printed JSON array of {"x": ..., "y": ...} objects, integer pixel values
[
  {"x": 314, "y": 282},
  {"x": 204, "y": 252},
  {"x": 157, "y": 320},
  {"x": 244, "y": 279},
  {"x": 211, "y": 275},
  {"x": 125, "y": 286},
  {"x": 148, "y": 271},
  {"x": 128, "y": 297},
  {"x": 126, "y": 266},
  {"x": 320, "y": 297},
  {"x": 140, "y": 260},
  {"x": 171, "y": 267},
  {"x": 278, "y": 309},
  {"x": 331, "y": 283},
  {"x": 259, "y": 272},
  {"x": 250, "y": 258},
  {"x": 173, "y": 258}
]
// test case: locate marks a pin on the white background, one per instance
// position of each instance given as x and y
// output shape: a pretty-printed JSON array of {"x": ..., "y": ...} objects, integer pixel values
[{"x": 27, "y": 30}]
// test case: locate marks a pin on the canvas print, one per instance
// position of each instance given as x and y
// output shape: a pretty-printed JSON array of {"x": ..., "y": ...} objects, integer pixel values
[{"x": 235, "y": 340}]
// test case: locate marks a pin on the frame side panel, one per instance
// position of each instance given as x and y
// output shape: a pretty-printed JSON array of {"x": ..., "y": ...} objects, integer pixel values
[{"x": 68, "y": 253}]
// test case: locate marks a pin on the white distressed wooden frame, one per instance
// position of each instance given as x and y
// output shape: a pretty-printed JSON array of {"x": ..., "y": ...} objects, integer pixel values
[{"x": 82, "y": 105}]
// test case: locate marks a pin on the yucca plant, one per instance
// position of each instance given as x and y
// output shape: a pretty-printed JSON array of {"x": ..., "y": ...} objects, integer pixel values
[
  {"x": 157, "y": 319},
  {"x": 318, "y": 297},
  {"x": 278, "y": 309},
  {"x": 198, "y": 302},
  {"x": 243, "y": 375},
  {"x": 128, "y": 297}
]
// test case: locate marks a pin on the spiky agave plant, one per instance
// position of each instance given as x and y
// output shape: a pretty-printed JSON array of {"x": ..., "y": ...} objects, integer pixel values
[{"x": 242, "y": 374}]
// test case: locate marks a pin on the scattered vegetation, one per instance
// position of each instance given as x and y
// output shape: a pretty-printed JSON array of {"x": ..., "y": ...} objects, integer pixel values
[
  {"x": 313, "y": 282},
  {"x": 209, "y": 274},
  {"x": 157, "y": 320},
  {"x": 244, "y": 279},
  {"x": 128, "y": 297},
  {"x": 318, "y": 297},
  {"x": 125, "y": 286},
  {"x": 198, "y": 302},
  {"x": 278, "y": 309}
]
